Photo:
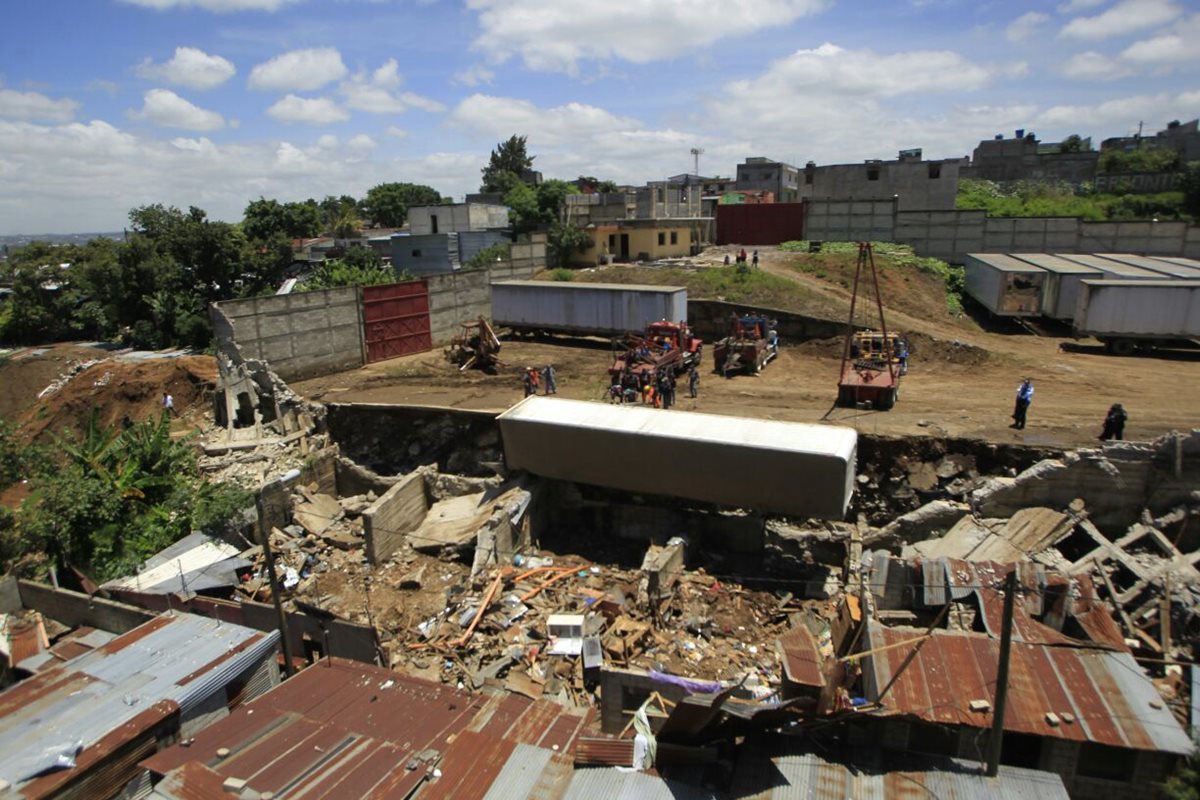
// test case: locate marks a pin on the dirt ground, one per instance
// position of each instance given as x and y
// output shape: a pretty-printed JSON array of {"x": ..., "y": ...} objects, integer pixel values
[{"x": 961, "y": 382}]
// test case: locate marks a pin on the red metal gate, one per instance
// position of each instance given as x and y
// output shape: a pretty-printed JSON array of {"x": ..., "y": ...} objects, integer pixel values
[{"x": 396, "y": 320}]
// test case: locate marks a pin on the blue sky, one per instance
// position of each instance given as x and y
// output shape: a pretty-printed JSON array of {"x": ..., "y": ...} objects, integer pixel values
[{"x": 110, "y": 104}]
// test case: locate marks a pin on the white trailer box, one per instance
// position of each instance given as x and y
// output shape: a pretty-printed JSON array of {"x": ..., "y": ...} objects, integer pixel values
[
  {"x": 603, "y": 309},
  {"x": 1165, "y": 268},
  {"x": 1187, "y": 268},
  {"x": 1117, "y": 311},
  {"x": 1113, "y": 270},
  {"x": 1006, "y": 286},
  {"x": 756, "y": 464},
  {"x": 1061, "y": 287}
]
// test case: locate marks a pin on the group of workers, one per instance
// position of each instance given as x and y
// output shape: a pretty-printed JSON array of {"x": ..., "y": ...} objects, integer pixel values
[
  {"x": 655, "y": 389},
  {"x": 741, "y": 258},
  {"x": 1114, "y": 420},
  {"x": 533, "y": 378}
]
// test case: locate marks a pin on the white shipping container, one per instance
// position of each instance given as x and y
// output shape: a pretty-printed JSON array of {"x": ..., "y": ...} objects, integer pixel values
[
  {"x": 1113, "y": 270},
  {"x": 1004, "y": 285},
  {"x": 1167, "y": 309},
  {"x": 607, "y": 309},
  {"x": 756, "y": 464},
  {"x": 1061, "y": 288}
]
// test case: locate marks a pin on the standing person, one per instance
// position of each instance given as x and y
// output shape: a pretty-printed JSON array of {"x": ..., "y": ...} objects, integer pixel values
[
  {"x": 168, "y": 404},
  {"x": 671, "y": 385},
  {"x": 530, "y": 385},
  {"x": 693, "y": 381},
  {"x": 1114, "y": 423},
  {"x": 742, "y": 256},
  {"x": 664, "y": 390},
  {"x": 755, "y": 259},
  {"x": 548, "y": 378},
  {"x": 1024, "y": 398}
]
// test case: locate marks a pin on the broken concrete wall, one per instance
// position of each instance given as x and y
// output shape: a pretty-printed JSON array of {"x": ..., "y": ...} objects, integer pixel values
[
  {"x": 354, "y": 479},
  {"x": 1116, "y": 482},
  {"x": 710, "y": 320},
  {"x": 300, "y": 335},
  {"x": 393, "y": 440},
  {"x": 401, "y": 510},
  {"x": 623, "y": 691},
  {"x": 74, "y": 609}
]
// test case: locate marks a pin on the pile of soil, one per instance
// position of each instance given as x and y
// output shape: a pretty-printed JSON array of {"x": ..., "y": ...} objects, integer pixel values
[
  {"x": 118, "y": 389},
  {"x": 24, "y": 374}
]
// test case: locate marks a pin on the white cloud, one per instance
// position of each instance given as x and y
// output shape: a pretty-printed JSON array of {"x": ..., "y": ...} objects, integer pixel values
[
  {"x": 1025, "y": 26},
  {"x": 189, "y": 67},
  {"x": 473, "y": 76},
  {"x": 299, "y": 70},
  {"x": 1126, "y": 16},
  {"x": 220, "y": 6},
  {"x": 375, "y": 93},
  {"x": 34, "y": 105},
  {"x": 1093, "y": 66},
  {"x": 554, "y": 35},
  {"x": 164, "y": 107},
  {"x": 1119, "y": 114},
  {"x": 1176, "y": 45},
  {"x": 328, "y": 140},
  {"x": 395, "y": 131},
  {"x": 309, "y": 110},
  {"x": 492, "y": 116},
  {"x": 361, "y": 142},
  {"x": 1072, "y": 6}
]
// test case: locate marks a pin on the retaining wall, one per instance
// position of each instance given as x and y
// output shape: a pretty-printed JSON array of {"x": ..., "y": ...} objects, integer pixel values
[{"x": 710, "y": 320}]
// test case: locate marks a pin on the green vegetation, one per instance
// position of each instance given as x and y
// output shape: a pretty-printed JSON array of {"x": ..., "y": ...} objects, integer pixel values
[
  {"x": 387, "y": 204},
  {"x": 487, "y": 256},
  {"x": 563, "y": 241},
  {"x": 110, "y": 498},
  {"x": 1143, "y": 159},
  {"x": 1185, "y": 784},
  {"x": 360, "y": 266},
  {"x": 561, "y": 274},
  {"x": 1041, "y": 199},
  {"x": 752, "y": 287},
  {"x": 509, "y": 159}
]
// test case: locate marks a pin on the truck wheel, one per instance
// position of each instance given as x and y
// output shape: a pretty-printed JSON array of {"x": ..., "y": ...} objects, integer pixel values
[
  {"x": 1122, "y": 347},
  {"x": 885, "y": 400}
]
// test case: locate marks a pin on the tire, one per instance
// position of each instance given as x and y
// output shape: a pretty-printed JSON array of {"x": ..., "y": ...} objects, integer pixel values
[
  {"x": 1122, "y": 347},
  {"x": 886, "y": 400}
]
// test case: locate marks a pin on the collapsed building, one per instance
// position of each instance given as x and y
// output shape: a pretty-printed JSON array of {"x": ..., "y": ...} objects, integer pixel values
[{"x": 707, "y": 600}]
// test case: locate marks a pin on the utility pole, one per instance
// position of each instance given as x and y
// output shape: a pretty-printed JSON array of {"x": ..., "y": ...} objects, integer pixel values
[
  {"x": 996, "y": 739},
  {"x": 264, "y": 531}
]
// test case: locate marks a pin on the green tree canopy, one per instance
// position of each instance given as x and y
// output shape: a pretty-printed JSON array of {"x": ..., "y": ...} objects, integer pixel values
[
  {"x": 387, "y": 204},
  {"x": 264, "y": 218},
  {"x": 509, "y": 156},
  {"x": 1143, "y": 159}
]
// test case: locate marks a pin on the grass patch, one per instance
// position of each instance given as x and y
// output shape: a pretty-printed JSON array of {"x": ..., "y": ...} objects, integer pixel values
[
  {"x": 410, "y": 371},
  {"x": 1048, "y": 199},
  {"x": 562, "y": 274}
]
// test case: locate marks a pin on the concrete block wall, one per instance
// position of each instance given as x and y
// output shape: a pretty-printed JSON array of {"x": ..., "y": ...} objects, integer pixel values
[
  {"x": 457, "y": 297},
  {"x": 710, "y": 320},
  {"x": 401, "y": 510},
  {"x": 300, "y": 335},
  {"x": 74, "y": 609},
  {"x": 950, "y": 235}
]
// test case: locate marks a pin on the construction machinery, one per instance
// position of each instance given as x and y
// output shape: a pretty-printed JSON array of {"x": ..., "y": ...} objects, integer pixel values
[
  {"x": 476, "y": 345},
  {"x": 752, "y": 342},
  {"x": 874, "y": 346},
  {"x": 869, "y": 375},
  {"x": 664, "y": 345}
]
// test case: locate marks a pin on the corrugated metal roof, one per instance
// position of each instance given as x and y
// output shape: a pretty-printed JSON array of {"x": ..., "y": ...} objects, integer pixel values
[
  {"x": 801, "y": 658},
  {"x": 175, "y": 658},
  {"x": 194, "y": 563},
  {"x": 1111, "y": 699},
  {"x": 879, "y": 776},
  {"x": 1171, "y": 269},
  {"x": 1057, "y": 264},
  {"x": 346, "y": 729},
  {"x": 520, "y": 773},
  {"x": 1106, "y": 265},
  {"x": 608, "y": 783},
  {"x": 1005, "y": 263},
  {"x": 607, "y": 751},
  {"x": 631, "y": 287}
]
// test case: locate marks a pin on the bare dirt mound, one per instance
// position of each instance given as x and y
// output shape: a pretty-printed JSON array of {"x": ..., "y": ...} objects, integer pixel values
[
  {"x": 29, "y": 371},
  {"x": 117, "y": 389}
]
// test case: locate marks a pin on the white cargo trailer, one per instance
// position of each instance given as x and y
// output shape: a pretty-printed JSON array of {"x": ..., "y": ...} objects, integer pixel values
[
  {"x": 755, "y": 464},
  {"x": 1004, "y": 285},
  {"x": 1127, "y": 314},
  {"x": 1113, "y": 270},
  {"x": 1061, "y": 287},
  {"x": 604, "y": 309},
  {"x": 1162, "y": 268},
  {"x": 1187, "y": 268}
]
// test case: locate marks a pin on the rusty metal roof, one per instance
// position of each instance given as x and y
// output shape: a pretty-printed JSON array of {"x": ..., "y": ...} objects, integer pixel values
[
  {"x": 180, "y": 660},
  {"x": 346, "y": 729},
  {"x": 1098, "y": 695},
  {"x": 801, "y": 658}
]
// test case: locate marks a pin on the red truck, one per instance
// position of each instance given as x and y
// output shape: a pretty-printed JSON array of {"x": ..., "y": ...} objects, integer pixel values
[{"x": 665, "y": 344}]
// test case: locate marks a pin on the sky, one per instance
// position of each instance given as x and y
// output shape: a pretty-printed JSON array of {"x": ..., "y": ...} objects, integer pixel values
[{"x": 106, "y": 105}]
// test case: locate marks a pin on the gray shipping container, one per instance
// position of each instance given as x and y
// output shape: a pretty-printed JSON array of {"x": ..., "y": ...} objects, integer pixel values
[
  {"x": 762, "y": 465},
  {"x": 1006, "y": 286},
  {"x": 1137, "y": 309},
  {"x": 1061, "y": 287},
  {"x": 606, "y": 309}
]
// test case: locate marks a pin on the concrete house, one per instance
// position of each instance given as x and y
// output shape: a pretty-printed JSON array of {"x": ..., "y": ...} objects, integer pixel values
[
  {"x": 442, "y": 238},
  {"x": 767, "y": 175},
  {"x": 916, "y": 184},
  {"x": 636, "y": 240}
]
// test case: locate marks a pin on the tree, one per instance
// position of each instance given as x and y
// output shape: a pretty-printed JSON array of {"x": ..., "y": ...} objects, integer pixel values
[
  {"x": 1185, "y": 784},
  {"x": 563, "y": 241},
  {"x": 387, "y": 204},
  {"x": 263, "y": 219},
  {"x": 552, "y": 199},
  {"x": 347, "y": 225},
  {"x": 361, "y": 266},
  {"x": 522, "y": 202},
  {"x": 332, "y": 208},
  {"x": 1071, "y": 144},
  {"x": 509, "y": 156},
  {"x": 1189, "y": 184}
]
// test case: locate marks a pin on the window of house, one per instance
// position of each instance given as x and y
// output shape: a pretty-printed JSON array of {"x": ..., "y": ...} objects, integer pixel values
[
  {"x": 433, "y": 222},
  {"x": 662, "y": 238},
  {"x": 674, "y": 237},
  {"x": 1105, "y": 762},
  {"x": 938, "y": 740},
  {"x": 873, "y": 174},
  {"x": 935, "y": 171},
  {"x": 612, "y": 241},
  {"x": 1021, "y": 750},
  {"x": 416, "y": 253},
  {"x": 808, "y": 178}
]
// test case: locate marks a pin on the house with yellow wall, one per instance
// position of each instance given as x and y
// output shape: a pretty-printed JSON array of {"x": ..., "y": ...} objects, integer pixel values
[{"x": 635, "y": 240}]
